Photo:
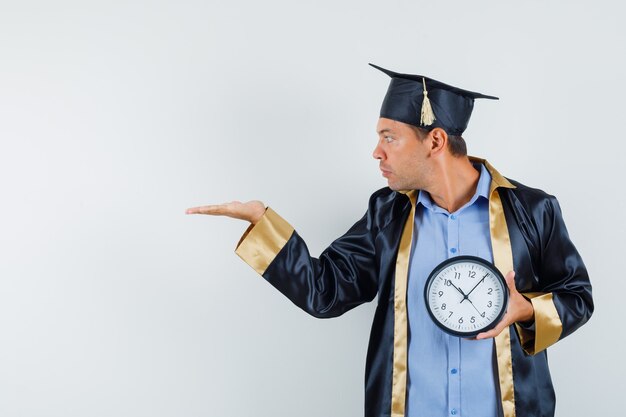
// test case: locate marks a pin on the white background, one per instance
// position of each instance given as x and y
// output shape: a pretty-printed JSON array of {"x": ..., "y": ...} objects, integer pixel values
[{"x": 115, "y": 116}]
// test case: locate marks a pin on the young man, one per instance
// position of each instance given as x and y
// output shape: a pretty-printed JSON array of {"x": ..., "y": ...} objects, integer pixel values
[{"x": 439, "y": 204}]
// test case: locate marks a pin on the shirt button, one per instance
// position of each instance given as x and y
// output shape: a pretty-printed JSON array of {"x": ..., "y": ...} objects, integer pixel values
[
  {"x": 453, "y": 371},
  {"x": 453, "y": 411},
  {"x": 453, "y": 250},
  {"x": 453, "y": 217}
]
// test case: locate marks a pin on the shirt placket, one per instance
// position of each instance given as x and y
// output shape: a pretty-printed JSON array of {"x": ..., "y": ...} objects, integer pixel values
[
  {"x": 454, "y": 343},
  {"x": 454, "y": 377}
]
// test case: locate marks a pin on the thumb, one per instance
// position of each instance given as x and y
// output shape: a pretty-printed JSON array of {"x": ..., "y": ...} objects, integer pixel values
[{"x": 510, "y": 281}]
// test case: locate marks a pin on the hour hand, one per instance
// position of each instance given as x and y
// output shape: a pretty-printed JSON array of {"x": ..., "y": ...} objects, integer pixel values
[{"x": 458, "y": 289}]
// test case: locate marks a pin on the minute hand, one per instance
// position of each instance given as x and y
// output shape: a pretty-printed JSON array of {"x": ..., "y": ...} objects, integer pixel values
[{"x": 475, "y": 286}]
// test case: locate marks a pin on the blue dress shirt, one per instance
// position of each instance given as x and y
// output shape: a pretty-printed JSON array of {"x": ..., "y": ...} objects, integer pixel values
[{"x": 448, "y": 375}]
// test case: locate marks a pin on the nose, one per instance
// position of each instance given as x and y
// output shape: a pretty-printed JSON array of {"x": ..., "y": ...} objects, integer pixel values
[{"x": 378, "y": 152}]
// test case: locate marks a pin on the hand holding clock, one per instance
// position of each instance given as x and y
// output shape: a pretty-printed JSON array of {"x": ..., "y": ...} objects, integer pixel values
[
  {"x": 519, "y": 310},
  {"x": 493, "y": 302}
]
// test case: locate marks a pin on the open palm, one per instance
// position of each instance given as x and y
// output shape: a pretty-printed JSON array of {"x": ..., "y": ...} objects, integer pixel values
[{"x": 251, "y": 211}]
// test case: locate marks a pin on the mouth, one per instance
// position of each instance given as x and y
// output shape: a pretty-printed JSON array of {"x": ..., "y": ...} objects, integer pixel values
[{"x": 385, "y": 172}]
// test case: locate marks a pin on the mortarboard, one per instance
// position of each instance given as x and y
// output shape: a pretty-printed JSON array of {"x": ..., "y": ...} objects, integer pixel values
[{"x": 423, "y": 102}]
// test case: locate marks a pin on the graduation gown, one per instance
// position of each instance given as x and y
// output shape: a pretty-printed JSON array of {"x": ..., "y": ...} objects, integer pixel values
[{"x": 528, "y": 235}]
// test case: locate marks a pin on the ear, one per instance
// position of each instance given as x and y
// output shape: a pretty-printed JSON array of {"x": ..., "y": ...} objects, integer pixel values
[{"x": 439, "y": 141}]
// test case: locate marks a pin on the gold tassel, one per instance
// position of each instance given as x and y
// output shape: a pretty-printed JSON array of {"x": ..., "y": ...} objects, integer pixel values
[{"x": 427, "y": 117}]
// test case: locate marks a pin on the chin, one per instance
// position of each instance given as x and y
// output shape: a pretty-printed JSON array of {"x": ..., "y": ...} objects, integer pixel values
[
  {"x": 394, "y": 187},
  {"x": 398, "y": 185},
  {"x": 401, "y": 187}
]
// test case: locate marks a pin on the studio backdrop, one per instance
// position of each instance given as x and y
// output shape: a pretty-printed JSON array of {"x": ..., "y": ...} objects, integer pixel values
[{"x": 116, "y": 116}]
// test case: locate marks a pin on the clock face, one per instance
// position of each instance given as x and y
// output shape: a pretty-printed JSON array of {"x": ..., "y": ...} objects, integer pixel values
[{"x": 466, "y": 295}]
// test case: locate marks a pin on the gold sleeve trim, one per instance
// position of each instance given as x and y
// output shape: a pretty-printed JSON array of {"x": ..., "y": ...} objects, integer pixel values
[
  {"x": 503, "y": 259},
  {"x": 548, "y": 325},
  {"x": 400, "y": 322},
  {"x": 261, "y": 242}
]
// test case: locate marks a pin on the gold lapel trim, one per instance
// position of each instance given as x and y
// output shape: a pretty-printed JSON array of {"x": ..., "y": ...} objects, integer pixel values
[
  {"x": 503, "y": 259},
  {"x": 400, "y": 323}
]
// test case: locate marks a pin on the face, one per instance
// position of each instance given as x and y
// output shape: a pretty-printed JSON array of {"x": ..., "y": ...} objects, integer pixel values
[{"x": 402, "y": 157}]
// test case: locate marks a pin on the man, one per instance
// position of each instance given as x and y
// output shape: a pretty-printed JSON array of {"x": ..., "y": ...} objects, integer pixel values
[{"x": 440, "y": 203}]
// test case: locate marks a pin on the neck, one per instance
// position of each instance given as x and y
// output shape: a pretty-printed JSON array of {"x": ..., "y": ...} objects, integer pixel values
[{"x": 457, "y": 182}]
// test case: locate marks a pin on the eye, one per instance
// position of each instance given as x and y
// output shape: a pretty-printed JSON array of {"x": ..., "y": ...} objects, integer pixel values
[{"x": 388, "y": 139}]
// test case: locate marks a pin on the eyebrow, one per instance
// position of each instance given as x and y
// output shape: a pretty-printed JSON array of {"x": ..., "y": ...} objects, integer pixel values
[{"x": 385, "y": 130}]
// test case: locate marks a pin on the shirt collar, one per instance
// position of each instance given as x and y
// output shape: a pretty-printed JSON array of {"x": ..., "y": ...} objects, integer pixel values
[{"x": 482, "y": 190}]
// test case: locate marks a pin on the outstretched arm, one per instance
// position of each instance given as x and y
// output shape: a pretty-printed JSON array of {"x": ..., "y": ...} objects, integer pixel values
[{"x": 344, "y": 275}]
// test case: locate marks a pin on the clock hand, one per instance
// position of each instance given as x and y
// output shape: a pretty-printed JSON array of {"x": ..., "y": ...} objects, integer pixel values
[
  {"x": 473, "y": 305},
  {"x": 466, "y": 297},
  {"x": 459, "y": 290},
  {"x": 486, "y": 275}
]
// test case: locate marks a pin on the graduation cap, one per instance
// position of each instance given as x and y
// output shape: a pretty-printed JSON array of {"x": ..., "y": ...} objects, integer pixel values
[{"x": 423, "y": 102}]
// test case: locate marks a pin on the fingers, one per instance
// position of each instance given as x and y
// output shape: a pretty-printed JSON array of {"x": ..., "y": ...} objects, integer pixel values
[
  {"x": 215, "y": 209},
  {"x": 202, "y": 210},
  {"x": 483, "y": 335},
  {"x": 505, "y": 322},
  {"x": 487, "y": 335},
  {"x": 493, "y": 332}
]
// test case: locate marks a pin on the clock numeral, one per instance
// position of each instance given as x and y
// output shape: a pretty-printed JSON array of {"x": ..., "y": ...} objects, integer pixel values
[
  {"x": 451, "y": 313},
  {"x": 482, "y": 314},
  {"x": 461, "y": 320},
  {"x": 443, "y": 306},
  {"x": 489, "y": 291},
  {"x": 489, "y": 304},
  {"x": 440, "y": 293},
  {"x": 472, "y": 274},
  {"x": 473, "y": 319},
  {"x": 448, "y": 282},
  {"x": 457, "y": 275}
]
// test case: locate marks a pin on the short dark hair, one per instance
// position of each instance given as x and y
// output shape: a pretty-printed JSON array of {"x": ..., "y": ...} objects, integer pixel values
[{"x": 456, "y": 144}]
